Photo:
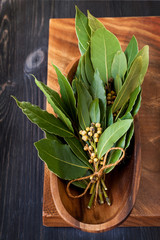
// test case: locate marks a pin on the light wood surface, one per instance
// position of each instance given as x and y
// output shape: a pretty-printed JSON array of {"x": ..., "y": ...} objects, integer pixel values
[{"x": 63, "y": 49}]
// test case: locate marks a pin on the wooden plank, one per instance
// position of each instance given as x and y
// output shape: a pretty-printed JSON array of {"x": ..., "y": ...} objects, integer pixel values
[{"x": 63, "y": 49}]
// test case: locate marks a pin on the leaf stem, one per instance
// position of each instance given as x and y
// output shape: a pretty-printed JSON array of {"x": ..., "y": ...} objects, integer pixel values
[
  {"x": 106, "y": 197},
  {"x": 91, "y": 199},
  {"x": 103, "y": 184},
  {"x": 92, "y": 188},
  {"x": 100, "y": 194}
]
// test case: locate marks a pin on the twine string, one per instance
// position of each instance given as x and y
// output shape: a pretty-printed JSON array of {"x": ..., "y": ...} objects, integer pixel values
[{"x": 96, "y": 176}]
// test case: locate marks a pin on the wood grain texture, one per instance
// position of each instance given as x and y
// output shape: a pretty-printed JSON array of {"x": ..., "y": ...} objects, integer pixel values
[
  {"x": 62, "y": 46},
  {"x": 24, "y": 29}
]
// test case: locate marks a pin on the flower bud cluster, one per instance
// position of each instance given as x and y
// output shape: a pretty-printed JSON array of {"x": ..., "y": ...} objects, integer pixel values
[
  {"x": 91, "y": 137},
  {"x": 111, "y": 97},
  {"x": 91, "y": 133}
]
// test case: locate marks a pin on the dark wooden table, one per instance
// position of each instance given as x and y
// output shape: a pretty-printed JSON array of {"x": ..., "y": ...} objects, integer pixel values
[{"x": 23, "y": 50}]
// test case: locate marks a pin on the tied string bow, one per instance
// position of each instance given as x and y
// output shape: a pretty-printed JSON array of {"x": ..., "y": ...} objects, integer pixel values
[{"x": 96, "y": 176}]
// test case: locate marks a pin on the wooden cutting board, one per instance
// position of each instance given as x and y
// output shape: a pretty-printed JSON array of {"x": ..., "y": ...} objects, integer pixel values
[{"x": 62, "y": 50}]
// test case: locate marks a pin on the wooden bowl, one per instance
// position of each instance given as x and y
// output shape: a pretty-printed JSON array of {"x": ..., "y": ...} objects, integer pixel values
[{"x": 122, "y": 183}]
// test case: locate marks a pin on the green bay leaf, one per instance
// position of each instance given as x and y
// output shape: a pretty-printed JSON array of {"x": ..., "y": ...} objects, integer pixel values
[
  {"x": 122, "y": 111},
  {"x": 60, "y": 159},
  {"x": 128, "y": 115},
  {"x": 94, "y": 111},
  {"x": 117, "y": 84},
  {"x": 137, "y": 105},
  {"x": 104, "y": 45},
  {"x": 52, "y": 137},
  {"x": 119, "y": 65},
  {"x": 44, "y": 120},
  {"x": 78, "y": 150},
  {"x": 131, "y": 82},
  {"x": 78, "y": 71},
  {"x": 109, "y": 116},
  {"x": 132, "y": 99},
  {"x": 74, "y": 86},
  {"x": 88, "y": 67},
  {"x": 82, "y": 30},
  {"x": 56, "y": 103},
  {"x": 86, "y": 93},
  {"x": 84, "y": 100},
  {"x": 118, "y": 69},
  {"x": 129, "y": 135},
  {"x": 98, "y": 91},
  {"x": 81, "y": 49},
  {"x": 83, "y": 72},
  {"x": 111, "y": 135},
  {"x": 131, "y": 51},
  {"x": 115, "y": 154},
  {"x": 93, "y": 22},
  {"x": 67, "y": 94},
  {"x": 144, "y": 53}
]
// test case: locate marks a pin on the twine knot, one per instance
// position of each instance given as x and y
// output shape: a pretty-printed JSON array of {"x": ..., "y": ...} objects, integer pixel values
[{"x": 96, "y": 176}]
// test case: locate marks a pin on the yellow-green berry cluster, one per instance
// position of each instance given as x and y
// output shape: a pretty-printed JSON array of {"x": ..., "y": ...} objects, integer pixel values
[
  {"x": 92, "y": 133},
  {"x": 91, "y": 137},
  {"x": 111, "y": 97}
]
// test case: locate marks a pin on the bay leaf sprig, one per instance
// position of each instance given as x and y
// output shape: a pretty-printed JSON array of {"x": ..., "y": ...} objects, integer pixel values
[{"x": 94, "y": 113}]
